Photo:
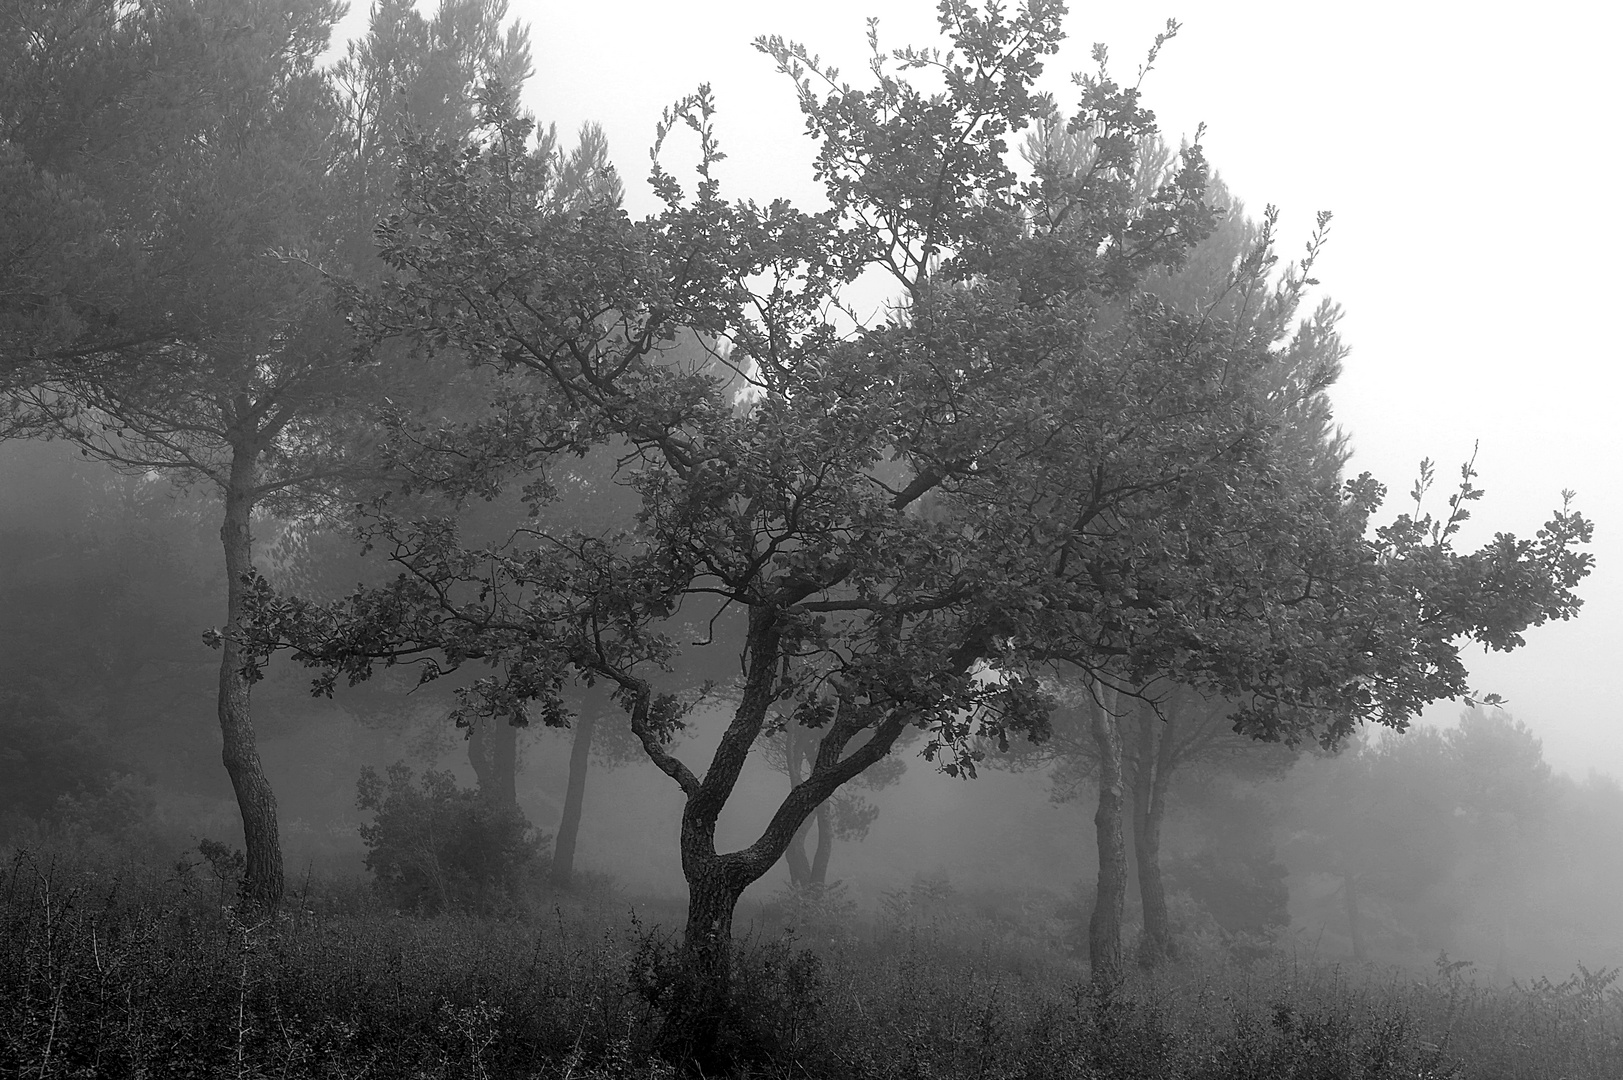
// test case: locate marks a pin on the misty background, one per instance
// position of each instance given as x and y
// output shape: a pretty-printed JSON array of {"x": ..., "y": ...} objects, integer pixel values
[
  {"x": 1461, "y": 840},
  {"x": 1495, "y": 837}
]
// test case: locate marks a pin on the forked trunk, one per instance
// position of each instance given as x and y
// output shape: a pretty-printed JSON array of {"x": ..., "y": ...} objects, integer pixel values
[
  {"x": 1104, "y": 927},
  {"x": 262, "y": 881},
  {"x": 698, "y": 1003},
  {"x": 580, "y": 758}
]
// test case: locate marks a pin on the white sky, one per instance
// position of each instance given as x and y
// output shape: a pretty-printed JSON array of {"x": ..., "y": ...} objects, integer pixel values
[{"x": 1472, "y": 166}]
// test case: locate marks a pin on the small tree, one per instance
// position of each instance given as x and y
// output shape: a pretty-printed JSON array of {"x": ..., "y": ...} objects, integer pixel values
[{"x": 433, "y": 846}]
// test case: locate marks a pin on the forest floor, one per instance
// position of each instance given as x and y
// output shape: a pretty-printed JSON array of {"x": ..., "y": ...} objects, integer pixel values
[{"x": 110, "y": 969}]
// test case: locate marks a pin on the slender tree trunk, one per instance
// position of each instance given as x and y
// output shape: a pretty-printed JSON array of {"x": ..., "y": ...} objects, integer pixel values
[
  {"x": 812, "y": 870},
  {"x": 504, "y": 756},
  {"x": 262, "y": 883},
  {"x": 493, "y": 753},
  {"x": 800, "y": 867},
  {"x": 1156, "y": 758},
  {"x": 1152, "y": 945},
  {"x": 825, "y": 845},
  {"x": 580, "y": 758},
  {"x": 1355, "y": 927},
  {"x": 479, "y": 755},
  {"x": 1104, "y": 927},
  {"x": 800, "y": 870}
]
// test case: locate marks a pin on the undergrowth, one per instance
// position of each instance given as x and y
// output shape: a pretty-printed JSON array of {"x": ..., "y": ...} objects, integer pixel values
[{"x": 126, "y": 971}]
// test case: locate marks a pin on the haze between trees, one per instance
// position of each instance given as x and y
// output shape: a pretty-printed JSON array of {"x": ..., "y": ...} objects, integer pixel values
[{"x": 1033, "y": 462}]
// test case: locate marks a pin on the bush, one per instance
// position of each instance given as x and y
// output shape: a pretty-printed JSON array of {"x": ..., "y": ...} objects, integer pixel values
[
  {"x": 44, "y": 757},
  {"x": 433, "y": 846}
]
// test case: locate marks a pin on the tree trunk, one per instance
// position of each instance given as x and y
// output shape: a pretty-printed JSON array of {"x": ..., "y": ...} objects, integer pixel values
[
  {"x": 1355, "y": 929},
  {"x": 813, "y": 870},
  {"x": 800, "y": 872},
  {"x": 702, "y": 995},
  {"x": 479, "y": 755},
  {"x": 699, "y": 1001},
  {"x": 825, "y": 845},
  {"x": 580, "y": 757},
  {"x": 493, "y": 753},
  {"x": 1156, "y": 758},
  {"x": 262, "y": 882},
  {"x": 504, "y": 745},
  {"x": 797, "y": 753},
  {"x": 1104, "y": 927},
  {"x": 800, "y": 868}
]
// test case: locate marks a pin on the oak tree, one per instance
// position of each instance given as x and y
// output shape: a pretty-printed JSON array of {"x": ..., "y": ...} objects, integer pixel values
[{"x": 1029, "y": 461}]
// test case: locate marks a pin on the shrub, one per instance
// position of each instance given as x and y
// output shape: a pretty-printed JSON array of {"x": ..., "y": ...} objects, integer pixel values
[
  {"x": 433, "y": 846},
  {"x": 44, "y": 757}
]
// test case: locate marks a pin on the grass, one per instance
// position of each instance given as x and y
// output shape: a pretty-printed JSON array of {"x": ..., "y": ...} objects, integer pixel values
[{"x": 140, "y": 971}]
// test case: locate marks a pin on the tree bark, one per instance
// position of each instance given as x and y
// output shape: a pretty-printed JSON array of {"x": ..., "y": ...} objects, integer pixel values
[
  {"x": 580, "y": 757},
  {"x": 702, "y": 996},
  {"x": 262, "y": 881},
  {"x": 1156, "y": 759},
  {"x": 1104, "y": 926}
]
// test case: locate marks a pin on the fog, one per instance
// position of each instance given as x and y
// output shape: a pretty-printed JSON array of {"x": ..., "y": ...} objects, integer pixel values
[
  {"x": 1463, "y": 842},
  {"x": 1452, "y": 149},
  {"x": 595, "y": 568}
]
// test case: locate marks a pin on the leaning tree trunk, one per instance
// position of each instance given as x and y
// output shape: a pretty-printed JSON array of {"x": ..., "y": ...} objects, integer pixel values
[
  {"x": 580, "y": 757},
  {"x": 1104, "y": 927},
  {"x": 1156, "y": 752},
  {"x": 262, "y": 882}
]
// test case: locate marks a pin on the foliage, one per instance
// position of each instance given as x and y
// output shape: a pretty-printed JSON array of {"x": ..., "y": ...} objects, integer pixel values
[
  {"x": 432, "y": 846},
  {"x": 1243, "y": 896},
  {"x": 1033, "y": 460},
  {"x": 44, "y": 757},
  {"x": 1453, "y": 839}
]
